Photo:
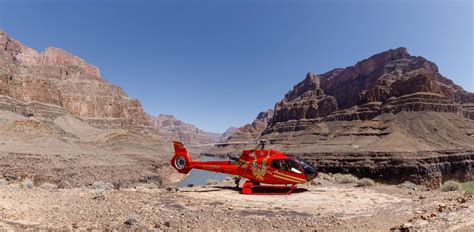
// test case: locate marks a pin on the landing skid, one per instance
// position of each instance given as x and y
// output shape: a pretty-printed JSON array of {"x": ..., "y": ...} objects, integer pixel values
[{"x": 251, "y": 188}]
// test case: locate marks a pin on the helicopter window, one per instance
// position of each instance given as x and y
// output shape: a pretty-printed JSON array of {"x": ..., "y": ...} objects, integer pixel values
[
  {"x": 295, "y": 167},
  {"x": 281, "y": 165},
  {"x": 287, "y": 165}
]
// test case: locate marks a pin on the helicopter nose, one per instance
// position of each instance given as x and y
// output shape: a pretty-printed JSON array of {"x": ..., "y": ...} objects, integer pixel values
[{"x": 310, "y": 173}]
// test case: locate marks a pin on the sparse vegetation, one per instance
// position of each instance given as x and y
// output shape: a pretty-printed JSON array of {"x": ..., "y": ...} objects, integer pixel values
[
  {"x": 449, "y": 186},
  {"x": 131, "y": 219},
  {"x": 345, "y": 179},
  {"x": 102, "y": 185},
  {"x": 325, "y": 176},
  {"x": 98, "y": 194},
  {"x": 365, "y": 182},
  {"x": 26, "y": 183},
  {"x": 468, "y": 187},
  {"x": 408, "y": 184}
]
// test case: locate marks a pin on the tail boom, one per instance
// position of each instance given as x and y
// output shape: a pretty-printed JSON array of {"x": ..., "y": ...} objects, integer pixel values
[{"x": 182, "y": 162}]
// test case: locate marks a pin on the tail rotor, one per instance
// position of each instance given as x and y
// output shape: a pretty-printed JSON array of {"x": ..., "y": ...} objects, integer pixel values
[{"x": 181, "y": 160}]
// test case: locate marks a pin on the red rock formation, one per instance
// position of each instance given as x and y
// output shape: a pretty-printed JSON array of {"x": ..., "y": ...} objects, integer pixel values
[
  {"x": 306, "y": 101},
  {"x": 391, "y": 117},
  {"x": 391, "y": 81},
  {"x": 174, "y": 129},
  {"x": 57, "y": 77}
]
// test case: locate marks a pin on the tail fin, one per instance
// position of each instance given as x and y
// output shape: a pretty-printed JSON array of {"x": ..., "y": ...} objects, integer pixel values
[{"x": 181, "y": 160}]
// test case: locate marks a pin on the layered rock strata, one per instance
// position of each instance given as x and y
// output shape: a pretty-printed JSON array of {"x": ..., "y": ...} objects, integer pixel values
[
  {"x": 174, "y": 129},
  {"x": 59, "y": 78},
  {"x": 392, "y": 117}
]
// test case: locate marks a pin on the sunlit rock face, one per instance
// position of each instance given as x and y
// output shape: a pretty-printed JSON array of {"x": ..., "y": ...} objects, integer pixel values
[
  {"x": 57, "y": 77},
  {"x": 392, "y": 117},
  {"x": 388, "y": 82}
]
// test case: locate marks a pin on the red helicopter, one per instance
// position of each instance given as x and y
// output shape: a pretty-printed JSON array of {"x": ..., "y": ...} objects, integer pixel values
[{"x": 257, "y": 166}]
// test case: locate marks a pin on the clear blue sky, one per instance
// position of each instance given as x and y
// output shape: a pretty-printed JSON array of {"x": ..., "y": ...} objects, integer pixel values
[{"x": 217, "y": 64}]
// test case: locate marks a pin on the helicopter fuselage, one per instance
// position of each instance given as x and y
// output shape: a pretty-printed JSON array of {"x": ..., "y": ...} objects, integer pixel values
[{"x": 258, "y": 166}]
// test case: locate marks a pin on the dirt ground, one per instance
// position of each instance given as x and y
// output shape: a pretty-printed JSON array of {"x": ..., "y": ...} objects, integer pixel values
[{"x": 326, "y": 206}]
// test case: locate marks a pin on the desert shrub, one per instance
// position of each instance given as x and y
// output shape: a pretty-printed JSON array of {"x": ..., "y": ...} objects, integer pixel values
[
  {"x": 325, "y": 176},
  {"x": 346, "y": 179},
  {"x": 98, "y": 194},
  {"x": 408, "y": 184},
  {"x": 131, "y": 219},
  {"x": 102, "y": 185},
  {"x": 27, "y": 183},
  {"x": 365, "y": 182},
  {"x": 450, "y": 186}
]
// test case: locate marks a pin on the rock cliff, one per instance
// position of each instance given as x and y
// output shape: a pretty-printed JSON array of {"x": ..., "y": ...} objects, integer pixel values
[
  {"x": 391, "y": 117},
  {"x": 388, "y": 82},
  {"x": 59, "y": 78}
]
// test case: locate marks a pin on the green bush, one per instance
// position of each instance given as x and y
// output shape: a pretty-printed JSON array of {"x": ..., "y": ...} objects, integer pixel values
[
  {"x": 450, "y": 186},
  {"x": 365, "y": 182},
  {"x": 468, "y": 186}
]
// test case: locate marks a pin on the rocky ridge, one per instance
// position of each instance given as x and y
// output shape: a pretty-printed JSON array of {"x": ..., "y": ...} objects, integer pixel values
[
  {"x": 174, "y": 129},
  {"x": 389, "y": 82},
  {"x": 391, "y": 117},
  {"x": 252, "y": 131}
]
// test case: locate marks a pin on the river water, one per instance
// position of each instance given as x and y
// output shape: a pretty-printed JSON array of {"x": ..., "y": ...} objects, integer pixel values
[{"x": 201, "y": 177}]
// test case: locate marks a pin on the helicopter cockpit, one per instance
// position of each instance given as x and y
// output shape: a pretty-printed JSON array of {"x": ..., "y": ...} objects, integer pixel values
[{"x": 295, "y": 165}]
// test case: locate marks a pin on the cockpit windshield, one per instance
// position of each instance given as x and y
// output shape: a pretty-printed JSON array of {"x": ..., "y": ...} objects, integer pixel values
[{"x": 308, "y": 168}]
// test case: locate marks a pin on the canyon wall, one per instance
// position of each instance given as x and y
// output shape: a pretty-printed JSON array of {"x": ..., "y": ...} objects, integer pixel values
[{"x": 391, "y": 117}]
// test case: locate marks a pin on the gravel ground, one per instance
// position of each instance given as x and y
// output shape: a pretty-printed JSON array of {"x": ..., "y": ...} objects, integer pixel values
[{"x": 326, "y": 206}]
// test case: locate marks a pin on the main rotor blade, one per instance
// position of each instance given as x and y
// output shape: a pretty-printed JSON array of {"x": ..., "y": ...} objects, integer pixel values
[{"x": 221, "y": 144}]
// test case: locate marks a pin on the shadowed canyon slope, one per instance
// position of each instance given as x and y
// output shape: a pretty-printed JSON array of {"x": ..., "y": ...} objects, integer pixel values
[{"x": 392, "y": 116}]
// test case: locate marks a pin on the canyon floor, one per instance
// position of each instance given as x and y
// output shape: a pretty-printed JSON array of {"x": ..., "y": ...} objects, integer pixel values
[{"x": 326, "y": 206}]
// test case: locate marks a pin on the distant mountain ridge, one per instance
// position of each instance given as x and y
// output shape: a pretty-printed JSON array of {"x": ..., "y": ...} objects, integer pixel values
[{"x": 174, "y": 129}]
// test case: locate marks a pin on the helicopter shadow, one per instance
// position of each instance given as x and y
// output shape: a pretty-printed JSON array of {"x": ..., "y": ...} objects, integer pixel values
[{"x": 266, "y": 190}]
